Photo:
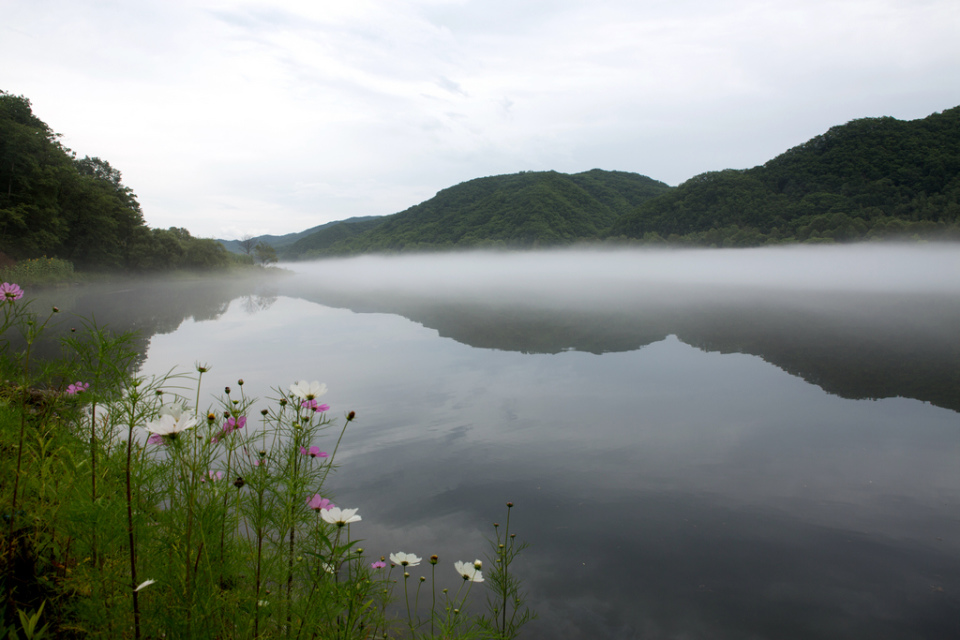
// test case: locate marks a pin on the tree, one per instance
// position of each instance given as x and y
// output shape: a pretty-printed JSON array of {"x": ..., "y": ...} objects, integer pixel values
[
  {"x": 265, "y": 253},
  {"x": 247, "y": 244}
]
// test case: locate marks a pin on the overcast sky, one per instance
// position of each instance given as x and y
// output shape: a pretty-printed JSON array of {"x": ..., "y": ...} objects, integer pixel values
[{"x": 230, "y": 118}]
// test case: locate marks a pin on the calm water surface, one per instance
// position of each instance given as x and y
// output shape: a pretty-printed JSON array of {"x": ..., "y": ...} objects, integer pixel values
[{"x": 667, "y": 490}]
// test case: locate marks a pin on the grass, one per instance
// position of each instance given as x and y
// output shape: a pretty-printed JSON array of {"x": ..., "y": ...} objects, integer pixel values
[{"x": 39, "y": 271}]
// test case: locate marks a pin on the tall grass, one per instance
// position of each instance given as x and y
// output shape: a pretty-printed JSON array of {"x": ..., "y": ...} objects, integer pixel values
[
  {"x": 38, "y": 271},
  {"x": 131, "y": 512}
]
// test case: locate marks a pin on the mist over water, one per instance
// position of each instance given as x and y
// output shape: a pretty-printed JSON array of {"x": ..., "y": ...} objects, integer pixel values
[
  {"x": 604, "y": 277},
  {"x": 700, "y": 444}
]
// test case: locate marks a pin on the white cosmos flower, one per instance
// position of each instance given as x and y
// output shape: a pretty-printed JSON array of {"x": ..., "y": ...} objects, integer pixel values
[
  {"x": 308, "y": 390},
  {"x": 468, "y": 571},
  {"x": 144, "y": 584},
  {"x": 405, "y": 559},
  {"x": 339, "y": 516},
  {"x": 167, "y": 425},
  {"x": 174, "y": 409}
]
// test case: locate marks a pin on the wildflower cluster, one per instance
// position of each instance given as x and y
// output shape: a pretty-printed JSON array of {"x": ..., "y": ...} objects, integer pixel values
[{"x": 172, "y": 519}]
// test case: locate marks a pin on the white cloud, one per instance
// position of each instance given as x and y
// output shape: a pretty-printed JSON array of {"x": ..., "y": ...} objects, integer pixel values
[{"x": 281, "y": 116}]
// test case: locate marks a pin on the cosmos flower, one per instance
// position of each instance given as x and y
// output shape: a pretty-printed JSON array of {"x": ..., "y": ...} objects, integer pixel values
[
  {"x": 214, "y": 475},
  {"x": 77, "y": 387},
  {"x": 340, "y": 517},
  {"x": 10, "y": 292},
  {"x": 144, "y": 584},
  {"x": 317, "y": 502},
  {"x": 312, "y": 404},
  {"x": 173, "y": 409},
  {"x": 313, "y": 452},
  {"x": 405, "y": 559},
  {"x": 308, "y": 390},
  {"x": 232, "y": 424},
  {"x": 469, "y": 571},
  {"x": 168, "y": 426}
]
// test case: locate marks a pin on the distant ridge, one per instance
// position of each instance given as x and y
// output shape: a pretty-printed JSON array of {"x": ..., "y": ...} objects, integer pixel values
[
  {"x": 284, "y": 241},
  {"x": 524, "y": 209},
  {"x": 869, "y": 178}
]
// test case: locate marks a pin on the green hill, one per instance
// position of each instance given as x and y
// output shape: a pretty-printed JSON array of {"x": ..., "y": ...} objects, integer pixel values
[
  {"x": 281, "y": 243},
  {"x": 518, "y": 210},
  {"x": 56, "y": 205},
  {"x": 320, "y": 240},
  {"x": 874, "y": 177}
]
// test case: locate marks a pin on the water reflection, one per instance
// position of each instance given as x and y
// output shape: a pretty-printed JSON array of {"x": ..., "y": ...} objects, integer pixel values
[{"x": 672, "y": 482}]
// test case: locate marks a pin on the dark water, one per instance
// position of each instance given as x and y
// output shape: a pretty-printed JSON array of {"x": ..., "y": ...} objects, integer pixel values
[{"x": 699, "y": 445}]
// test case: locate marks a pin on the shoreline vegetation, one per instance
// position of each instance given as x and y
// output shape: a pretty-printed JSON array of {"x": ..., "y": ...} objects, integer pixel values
[{"x": 133, "y": 508}]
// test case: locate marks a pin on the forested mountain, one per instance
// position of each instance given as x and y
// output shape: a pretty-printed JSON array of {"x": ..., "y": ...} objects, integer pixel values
[
  {"x": 53, "y": 204},
  {"x": 517, "y": 210},
  {"x": 281, "y": 243},
  {"x": 872, "y": 177}
]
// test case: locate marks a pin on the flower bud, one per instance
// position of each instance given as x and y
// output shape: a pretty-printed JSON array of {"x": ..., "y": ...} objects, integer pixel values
[
  {"x": 283, "y": 402},
  {"x": 226, "y": 390},
  {"x": 238, "y": 483},
  {"x": 509, "y": 505},
  {"x": 263, "y": 412},
  {"x": 351, "y": 416},
  {"x": 56, "y": 310},
  {"x": 422, "y": 579},
  {"x": 433, "y": 559},
  {"x": 477, "y": 565},
  {"x": 240, "y": 382}
]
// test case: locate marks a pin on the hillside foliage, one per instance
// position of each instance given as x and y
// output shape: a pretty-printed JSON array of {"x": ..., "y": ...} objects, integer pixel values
[
  {"x": 526, "y": 209},
  {"x": 78, "y": 209},
  {"x": 870, "y": 178}
]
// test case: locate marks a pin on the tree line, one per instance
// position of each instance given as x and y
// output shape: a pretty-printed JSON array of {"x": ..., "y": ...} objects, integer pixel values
[{"x": 54, "y": 204}]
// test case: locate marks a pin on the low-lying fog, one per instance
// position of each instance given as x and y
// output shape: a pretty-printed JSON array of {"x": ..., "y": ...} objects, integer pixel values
[{"x": 598, "y": 276}]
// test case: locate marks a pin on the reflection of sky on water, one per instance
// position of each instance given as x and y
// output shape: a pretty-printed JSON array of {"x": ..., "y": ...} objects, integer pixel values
[{"x": 667, "y": 492}]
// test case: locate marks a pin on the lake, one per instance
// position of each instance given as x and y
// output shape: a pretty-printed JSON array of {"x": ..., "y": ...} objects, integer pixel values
[{"x": 699, "y": 444}]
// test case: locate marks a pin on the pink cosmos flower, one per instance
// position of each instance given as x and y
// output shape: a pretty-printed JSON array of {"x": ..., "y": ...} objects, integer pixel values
[
  {"x": 156, "y": 438},
  {"x": 314, "y": 452},
  {"x": 232, "y": 424},
  {"x": 214, "y": 475},
  {"x": 379, "y": 564},
  {"x": 317, "y": 503},
  {"x": 312, "y": 404},
  {"x": 10, "y": 292},
  {"x": 77, "y": 387}
]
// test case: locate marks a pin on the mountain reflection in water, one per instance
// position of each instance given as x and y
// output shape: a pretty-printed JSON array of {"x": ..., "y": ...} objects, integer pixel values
[{"x": 703, "y": 463}]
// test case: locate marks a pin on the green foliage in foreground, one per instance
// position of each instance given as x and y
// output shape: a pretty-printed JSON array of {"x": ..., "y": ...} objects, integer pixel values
[
  {"x": 217, "y": 525},
  {"x": 868, "y": 179}
]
